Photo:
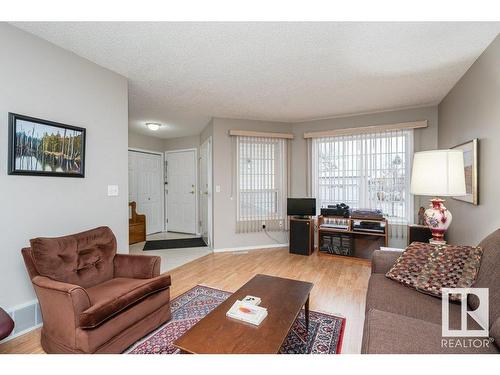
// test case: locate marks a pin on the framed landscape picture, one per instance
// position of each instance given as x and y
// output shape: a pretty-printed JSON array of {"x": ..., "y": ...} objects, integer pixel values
[
  {"x": 45, "y": 148},
  {"x": 470, "y": 150}
]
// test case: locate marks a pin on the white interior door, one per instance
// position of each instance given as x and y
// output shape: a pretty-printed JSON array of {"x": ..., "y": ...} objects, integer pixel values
[
  {"x": 146, "y": 187},
  {"x": 206, "y": 190},
  {"x": 181, "y": 191}
]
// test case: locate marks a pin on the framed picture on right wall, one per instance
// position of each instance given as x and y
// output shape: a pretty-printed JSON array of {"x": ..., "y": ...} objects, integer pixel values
[{"x": 470, "y": 150}]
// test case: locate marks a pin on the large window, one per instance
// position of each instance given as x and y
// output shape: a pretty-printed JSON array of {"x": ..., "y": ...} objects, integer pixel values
[
  {"x": 261, "y": 183},
  {"x": 365, "y": 171}
]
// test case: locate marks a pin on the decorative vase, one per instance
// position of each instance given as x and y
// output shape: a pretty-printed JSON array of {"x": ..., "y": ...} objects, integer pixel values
[{"x": 438, "y": 219}]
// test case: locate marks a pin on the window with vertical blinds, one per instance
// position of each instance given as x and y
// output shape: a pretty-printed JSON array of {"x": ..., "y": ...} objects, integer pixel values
[
  {"x": 369, "y": 170},
  {"x": 261, "y": 183}
]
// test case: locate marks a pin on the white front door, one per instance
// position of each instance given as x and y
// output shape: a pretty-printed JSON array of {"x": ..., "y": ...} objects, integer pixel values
[
  {"x": 146, "y": 187},
  {"x": 181, "y": 191},
  {"x": 206, "y": 190}
]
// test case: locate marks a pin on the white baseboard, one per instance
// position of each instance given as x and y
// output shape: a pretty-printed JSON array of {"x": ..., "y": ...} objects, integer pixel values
[
  {"x": 244, "y": 248},
  {"x": 20, "y": 333},
  {"x": 26, "y": 316}
]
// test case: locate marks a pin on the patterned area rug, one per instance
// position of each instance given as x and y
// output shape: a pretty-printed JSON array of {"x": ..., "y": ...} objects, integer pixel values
[{"x": 325, "y": 331}]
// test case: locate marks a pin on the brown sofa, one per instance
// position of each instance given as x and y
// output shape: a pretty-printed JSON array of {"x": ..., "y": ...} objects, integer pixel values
[
  {"x": 401, "y": 320},
  {"x": 92, "y": 299}
]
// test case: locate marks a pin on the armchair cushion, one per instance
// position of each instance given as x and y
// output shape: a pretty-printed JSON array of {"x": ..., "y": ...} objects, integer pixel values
[
  {"x": 111, "y": 297},
  {"x": 84, "y": 259}
]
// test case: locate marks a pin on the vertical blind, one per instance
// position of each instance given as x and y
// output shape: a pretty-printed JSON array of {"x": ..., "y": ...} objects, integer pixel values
[
  {"x": 370, "y": 170},
  {"x": 261, "y": 183}
]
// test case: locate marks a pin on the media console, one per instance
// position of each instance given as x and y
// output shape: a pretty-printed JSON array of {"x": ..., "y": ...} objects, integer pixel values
[{"x": 350, "y": 239}]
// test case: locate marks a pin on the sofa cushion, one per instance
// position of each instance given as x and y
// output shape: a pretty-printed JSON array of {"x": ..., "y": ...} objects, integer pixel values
[
  {"x": 113, "y": 296},
  {"x": 387, "y": 333},
  {"x": 495, "y": 332},
  {"x": 429, "y": 268},
  {"x": 383, "y": 260},
  {"x": 387, "y": 295},
  {"x": 410, "y": 264},
  {"x": 489, "y": 275},
  {"x": 83, "y": 259}
]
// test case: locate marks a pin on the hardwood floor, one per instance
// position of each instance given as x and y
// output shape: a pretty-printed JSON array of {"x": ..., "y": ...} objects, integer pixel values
[{"x": 339, "y": 286}]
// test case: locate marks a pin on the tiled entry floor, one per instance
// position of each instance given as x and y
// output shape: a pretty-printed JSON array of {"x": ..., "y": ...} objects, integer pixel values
[{"x": 171, "y": 258}]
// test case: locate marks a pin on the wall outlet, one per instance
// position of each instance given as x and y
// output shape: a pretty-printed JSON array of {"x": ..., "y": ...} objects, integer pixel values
[
  {"x": 113, "y": 190},
  {"x": 217, "y": 188}
]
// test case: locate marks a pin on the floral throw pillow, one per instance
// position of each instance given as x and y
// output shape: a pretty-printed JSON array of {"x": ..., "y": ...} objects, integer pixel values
[{"x": 429, "y": 268}]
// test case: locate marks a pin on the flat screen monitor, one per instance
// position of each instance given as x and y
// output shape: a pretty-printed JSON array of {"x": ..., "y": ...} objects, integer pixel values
[{"x": 301, "y": 207}]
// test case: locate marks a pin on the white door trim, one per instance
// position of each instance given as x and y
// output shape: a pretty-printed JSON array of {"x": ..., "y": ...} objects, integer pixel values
[
  {"x": 210, "y": 191},
  {"x": 144, "y": 151},
  {"x": 197, "y": 222}
]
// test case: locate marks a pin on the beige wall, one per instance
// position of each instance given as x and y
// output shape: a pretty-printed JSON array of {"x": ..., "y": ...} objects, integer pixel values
[
  {"x": 151, "y": 143},
  {"x": 42, "y": 80},
  {"x": 472, "y": 110},
  {"x": 424, "y": 139},
  {"x": 145, "y": 142},
  {"x": 181, "y": 143},
  {"x": 224, "y": 203},
  {"x": 208, "y": 131}
]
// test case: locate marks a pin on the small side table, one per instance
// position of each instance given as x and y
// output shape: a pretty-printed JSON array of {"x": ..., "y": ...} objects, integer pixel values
[{"x": 419, "y": 233}]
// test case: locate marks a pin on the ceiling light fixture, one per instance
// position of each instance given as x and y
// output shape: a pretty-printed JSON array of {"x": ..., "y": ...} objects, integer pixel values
[{"x": 154, "y": 126}]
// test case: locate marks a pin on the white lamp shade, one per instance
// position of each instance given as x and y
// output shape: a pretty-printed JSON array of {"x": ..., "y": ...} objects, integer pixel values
[{"x": 438, "y": 173}]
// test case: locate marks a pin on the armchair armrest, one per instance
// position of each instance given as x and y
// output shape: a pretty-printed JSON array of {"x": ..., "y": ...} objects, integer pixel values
[
  {"x": 60, "y": 302},
  {"x": 136, "y": 266},
  {"x": 383, "y": 260}
]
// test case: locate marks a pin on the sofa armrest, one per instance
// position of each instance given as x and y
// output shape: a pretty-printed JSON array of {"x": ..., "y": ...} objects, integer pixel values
[
  {"x": 61, "y": 304},
  {"x": 383, "y": 260},
  {"x": 136, "y": 266}
]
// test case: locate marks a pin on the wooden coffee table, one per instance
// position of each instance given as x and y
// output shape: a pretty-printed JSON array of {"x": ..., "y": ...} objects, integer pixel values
[{"x": 218, "y": 334}]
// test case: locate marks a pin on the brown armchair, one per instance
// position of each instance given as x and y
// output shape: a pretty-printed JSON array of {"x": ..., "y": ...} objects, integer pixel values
[{"x": 94, "y": 300}]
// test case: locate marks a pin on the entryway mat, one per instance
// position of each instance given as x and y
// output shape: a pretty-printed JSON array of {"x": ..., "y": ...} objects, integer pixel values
[{"x": 177, "y": 243}]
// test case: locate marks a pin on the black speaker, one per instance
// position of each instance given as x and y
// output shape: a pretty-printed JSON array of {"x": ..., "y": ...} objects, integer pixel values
[{"x": 301, "y": 236}]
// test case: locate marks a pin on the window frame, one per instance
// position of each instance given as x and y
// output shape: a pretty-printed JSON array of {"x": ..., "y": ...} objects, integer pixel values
[
  {"x": 364, "y": 172},
  {"x": 275, "y": 190}
]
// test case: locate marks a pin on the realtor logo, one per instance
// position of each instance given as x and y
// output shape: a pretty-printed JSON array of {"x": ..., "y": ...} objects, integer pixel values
[{"x": 480, "y": 315}]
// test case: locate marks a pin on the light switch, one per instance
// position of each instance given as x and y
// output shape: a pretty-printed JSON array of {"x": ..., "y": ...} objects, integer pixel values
[
  {"x": 217, "y": 188},
  {"x": 112, "y": 190}
]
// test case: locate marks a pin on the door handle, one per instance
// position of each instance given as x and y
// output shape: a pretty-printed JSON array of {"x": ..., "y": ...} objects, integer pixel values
[{"x": 191, "y": 192}]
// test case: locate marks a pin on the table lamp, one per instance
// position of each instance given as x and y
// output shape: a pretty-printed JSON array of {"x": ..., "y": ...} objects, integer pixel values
[{"x": 438, "y": 173}]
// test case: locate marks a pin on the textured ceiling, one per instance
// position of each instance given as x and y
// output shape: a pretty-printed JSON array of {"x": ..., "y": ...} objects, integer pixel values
[{"x": 182, "y": 74}]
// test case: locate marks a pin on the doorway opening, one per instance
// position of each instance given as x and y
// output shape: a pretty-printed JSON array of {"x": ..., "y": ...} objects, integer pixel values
[
  {"x": 181, "y": 191},
  {"x": 167, "y": 187},
  {"x": 145, "y": 180}
]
